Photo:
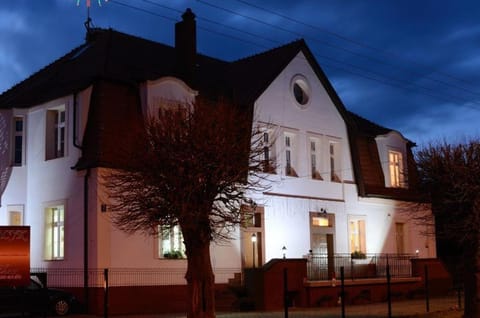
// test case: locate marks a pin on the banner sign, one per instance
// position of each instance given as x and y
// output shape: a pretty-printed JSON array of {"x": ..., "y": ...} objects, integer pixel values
[{"x": 14, "y": 255}]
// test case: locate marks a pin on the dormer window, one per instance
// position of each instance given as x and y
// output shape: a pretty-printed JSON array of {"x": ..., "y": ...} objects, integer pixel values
[{"x": 395, "y": 164}]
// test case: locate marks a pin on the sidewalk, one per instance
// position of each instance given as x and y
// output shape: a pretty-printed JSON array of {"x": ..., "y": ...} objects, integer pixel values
[{"x": 439, "y": 307}]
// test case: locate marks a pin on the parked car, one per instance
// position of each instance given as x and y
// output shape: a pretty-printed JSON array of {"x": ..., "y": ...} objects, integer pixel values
[{"x": 35, "y": 298}]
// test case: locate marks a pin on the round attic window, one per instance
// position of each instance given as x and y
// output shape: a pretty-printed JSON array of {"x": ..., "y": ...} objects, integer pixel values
[{"x": 301, "y": 91}]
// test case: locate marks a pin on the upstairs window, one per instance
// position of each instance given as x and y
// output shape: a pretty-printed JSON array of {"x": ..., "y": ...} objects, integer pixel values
[
  {"x": 18, "y": 141},
  {"x": 290, "y": 155},
  {"x": 55, "y": 133},
  {"x": 395, "y": 164},
  {"x": 334, "y": 161},
  {"x": 315, "y": 159},
  {"x": 268, "y": 152}
]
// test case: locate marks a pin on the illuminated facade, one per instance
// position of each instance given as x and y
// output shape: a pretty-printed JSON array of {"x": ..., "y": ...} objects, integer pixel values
[{"x": 339, "y": 183}]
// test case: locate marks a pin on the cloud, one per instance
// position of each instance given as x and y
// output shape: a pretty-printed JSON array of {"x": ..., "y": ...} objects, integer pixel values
[{"x": 13, "y": 22}]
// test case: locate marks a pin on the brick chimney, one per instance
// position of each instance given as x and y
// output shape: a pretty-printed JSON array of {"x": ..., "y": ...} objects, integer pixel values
[{"x": 186, "y": 45}]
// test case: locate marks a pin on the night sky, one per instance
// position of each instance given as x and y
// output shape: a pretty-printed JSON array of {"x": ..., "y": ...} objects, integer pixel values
[{"x": 412, "y": 66}]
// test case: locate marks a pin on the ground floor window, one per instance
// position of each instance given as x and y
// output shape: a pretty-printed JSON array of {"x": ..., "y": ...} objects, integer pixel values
[
  {"x": 356, "y": 234},
  {"x": 54, "y": 232},
  {"x": 15, "y": 214},
  {"x": 170, "y": 243}
]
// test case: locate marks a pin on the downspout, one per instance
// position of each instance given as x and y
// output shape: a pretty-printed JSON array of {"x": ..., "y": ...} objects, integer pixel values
[{"x": 85, "y": 209}]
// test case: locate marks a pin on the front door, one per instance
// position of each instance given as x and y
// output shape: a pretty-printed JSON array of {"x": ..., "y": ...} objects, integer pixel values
[
  {"x": 252, "y": 239},
  {"x": 322, "y": 229}
]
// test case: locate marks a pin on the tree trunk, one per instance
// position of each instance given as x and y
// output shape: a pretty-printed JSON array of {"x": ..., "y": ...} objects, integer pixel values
[
  {"x": 201, "y": 282},
  {"x": 471, "y": 285}
]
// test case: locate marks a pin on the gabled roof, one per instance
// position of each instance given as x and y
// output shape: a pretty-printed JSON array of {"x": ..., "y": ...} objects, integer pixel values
[{"x": 125, "y": 61}]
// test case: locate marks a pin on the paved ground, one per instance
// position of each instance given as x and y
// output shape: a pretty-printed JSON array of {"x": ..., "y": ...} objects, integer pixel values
[{"x": 439, "y": 307}]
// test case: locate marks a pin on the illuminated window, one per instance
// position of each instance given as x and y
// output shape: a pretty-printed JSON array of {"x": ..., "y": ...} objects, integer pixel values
[
  {"x": 15, "y": 214},
  {"x": 17, "y": 141},
  {"x": 320, "y": 221},
  {"x": 170, "y": 243},
  {"x": 395, "y": 167},
  {"x": 290, "y": 155},
  {"x": 315, "y": 159},
  {"x": 55, "y": 133},
  {"x": 334, "y": 161},
  {"x": 356, "y": 234},
  {"x": 54, "y": 232}
]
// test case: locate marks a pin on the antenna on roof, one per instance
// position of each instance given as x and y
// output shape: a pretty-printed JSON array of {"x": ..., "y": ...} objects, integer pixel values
[{"x": 88, "y": 23}]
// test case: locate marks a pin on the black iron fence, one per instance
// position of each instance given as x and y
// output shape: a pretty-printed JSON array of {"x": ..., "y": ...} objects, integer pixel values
[
  {"x": 326, "y": 267},
  {"x": 75, "y": 277}
]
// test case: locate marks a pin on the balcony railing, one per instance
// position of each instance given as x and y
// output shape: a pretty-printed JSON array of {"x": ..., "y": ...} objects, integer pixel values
[{"x": 324, "y": 267}]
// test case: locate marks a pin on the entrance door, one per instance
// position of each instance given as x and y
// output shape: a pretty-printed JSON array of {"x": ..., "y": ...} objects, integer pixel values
[
  {"x": 322, "y": 228},
  {"x": 252, "y": 239}
]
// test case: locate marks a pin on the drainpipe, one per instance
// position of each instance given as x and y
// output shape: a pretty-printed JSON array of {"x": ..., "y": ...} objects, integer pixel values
[{"x": 85, "y": 209}]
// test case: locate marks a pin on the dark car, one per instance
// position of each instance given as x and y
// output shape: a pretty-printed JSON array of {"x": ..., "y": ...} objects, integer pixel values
[{"x": 35, "y": 298}]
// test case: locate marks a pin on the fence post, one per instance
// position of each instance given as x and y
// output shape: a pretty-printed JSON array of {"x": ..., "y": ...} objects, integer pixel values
[
  {"x": 105, "y": 293},
  {"x": 342, "y": 290},
  {"x": 285, "y": 291},
  {"x": 427, "y": 294},
  {"x": 389, "y": 292}
]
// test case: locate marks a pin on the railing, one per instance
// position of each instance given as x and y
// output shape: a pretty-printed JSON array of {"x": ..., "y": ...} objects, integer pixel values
[
  {"x": 74, "y": 277},
  {"x": 324, "y": 267}
]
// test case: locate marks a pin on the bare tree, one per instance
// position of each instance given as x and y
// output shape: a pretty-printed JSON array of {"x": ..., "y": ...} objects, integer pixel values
[
  {"x": 192, "y": 166},
  {"x": 450, "y": 176}
]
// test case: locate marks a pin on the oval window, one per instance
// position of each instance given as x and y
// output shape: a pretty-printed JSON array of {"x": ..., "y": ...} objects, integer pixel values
[{"x": 301, "y": 91}]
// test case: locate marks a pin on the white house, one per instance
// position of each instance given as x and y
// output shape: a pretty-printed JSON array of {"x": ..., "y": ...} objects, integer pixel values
[{"x": 339, "y": 185}]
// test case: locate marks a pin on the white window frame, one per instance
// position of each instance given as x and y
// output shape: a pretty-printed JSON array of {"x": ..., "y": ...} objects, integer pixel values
[
  {"x": 268, "y": 152},
  {"x": 334, "y": 156},
  {"x": 18, "y": 134},
  {"x": 15, "y": 214},
  {"x": 54, "y": 247},
  {"x": 170, "y": 241},
  {"x": 315, "y": 159},
  {"x": 56, "y": 133},
  {"x": 357, "y": 233},
  {"x": 290, "y": 153}
]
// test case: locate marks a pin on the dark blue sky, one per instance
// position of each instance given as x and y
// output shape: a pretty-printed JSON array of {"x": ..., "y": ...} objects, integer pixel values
[{"x": 413, "y": 66}]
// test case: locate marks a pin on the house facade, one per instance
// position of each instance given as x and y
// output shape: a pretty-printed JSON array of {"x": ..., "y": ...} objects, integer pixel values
[{"x": 340, "y": 183}]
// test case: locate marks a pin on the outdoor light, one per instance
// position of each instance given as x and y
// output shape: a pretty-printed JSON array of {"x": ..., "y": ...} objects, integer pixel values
[
  {"x": 284, "y": 250},
  {"x": 254, "y": 240}
]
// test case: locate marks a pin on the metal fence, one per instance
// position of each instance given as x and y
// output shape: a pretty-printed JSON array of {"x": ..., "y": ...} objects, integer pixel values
[
  {"x": 74, "y": 277},
  {"x": 324, "y": 267}
]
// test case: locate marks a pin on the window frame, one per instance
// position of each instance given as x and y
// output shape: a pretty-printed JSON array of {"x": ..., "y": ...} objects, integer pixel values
[
  {"x": 290, "y": 153},
  {"x": 56, "y": 132},
  {"x": 334, "y": 160},
  {"x": 395, "y": 168},
  {"x": 360, "y": 244},
  {"x": 16, "y": 133},
  {"x": 315, "y": 157},
  {"x": 175, "y": 238},
  {"x": 54, "y": 235},
  {"x": 268, "y": 151}
]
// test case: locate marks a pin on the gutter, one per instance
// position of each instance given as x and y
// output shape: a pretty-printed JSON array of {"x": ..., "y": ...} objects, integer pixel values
[{"x": 85, "y": 210}]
